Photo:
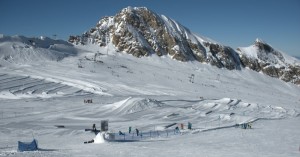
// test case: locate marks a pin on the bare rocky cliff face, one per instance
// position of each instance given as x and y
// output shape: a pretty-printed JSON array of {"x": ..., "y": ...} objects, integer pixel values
[{"x": 141, "y": 32}]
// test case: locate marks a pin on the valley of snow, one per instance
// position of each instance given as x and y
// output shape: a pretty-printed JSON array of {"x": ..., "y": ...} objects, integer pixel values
[{"x": 41, "y": 88}]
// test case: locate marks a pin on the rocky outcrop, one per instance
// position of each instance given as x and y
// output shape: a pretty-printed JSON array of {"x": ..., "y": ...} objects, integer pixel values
[{"x": 223, "y": 56}]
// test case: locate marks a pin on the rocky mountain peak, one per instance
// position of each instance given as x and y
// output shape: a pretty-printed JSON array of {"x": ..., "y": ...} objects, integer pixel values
[
  {"x": 141, "y": 32},
  {"x": 263, "y": 46},
  {"x": 267, "y": 53},
  {"x": 262, "y": 57}
]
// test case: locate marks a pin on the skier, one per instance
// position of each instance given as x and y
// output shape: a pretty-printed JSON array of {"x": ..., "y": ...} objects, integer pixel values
[{"x": 137, "y": 132}]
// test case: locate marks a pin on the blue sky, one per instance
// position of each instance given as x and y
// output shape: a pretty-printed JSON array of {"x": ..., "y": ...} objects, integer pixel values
[{"x": 232, "y": 22}]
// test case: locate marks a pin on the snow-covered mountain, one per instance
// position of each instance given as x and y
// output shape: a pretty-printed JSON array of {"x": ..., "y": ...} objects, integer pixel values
[
  {"x": 262, "y": 57},
  {"x": 141, "y": 32}
]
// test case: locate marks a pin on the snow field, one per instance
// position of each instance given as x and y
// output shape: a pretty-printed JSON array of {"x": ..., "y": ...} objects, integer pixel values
[{"x": 149, "y": 94}]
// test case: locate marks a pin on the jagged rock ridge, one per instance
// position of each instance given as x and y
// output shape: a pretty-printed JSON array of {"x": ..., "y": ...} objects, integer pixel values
[{"x": 141, "y": 32}]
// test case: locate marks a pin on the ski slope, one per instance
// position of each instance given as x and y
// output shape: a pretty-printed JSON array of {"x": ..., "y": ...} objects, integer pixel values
[{"x": 147, "y": 93}]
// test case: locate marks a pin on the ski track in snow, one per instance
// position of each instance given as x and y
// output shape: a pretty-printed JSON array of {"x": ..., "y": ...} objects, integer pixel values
[{"x": 17, "y": 87}]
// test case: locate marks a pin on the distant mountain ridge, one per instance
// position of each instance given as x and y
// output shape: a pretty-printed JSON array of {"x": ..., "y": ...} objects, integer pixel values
[{"x": 21, "y": 49}]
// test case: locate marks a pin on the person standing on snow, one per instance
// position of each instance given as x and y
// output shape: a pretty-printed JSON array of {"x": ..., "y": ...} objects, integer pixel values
[
  {"x": 177, "y": 129},
  {"x": 129, "y": 129},
  {"x": 137, "y": 132},
  {"x": 189, "y": 125},
  {"x": 94, "y": 127}
]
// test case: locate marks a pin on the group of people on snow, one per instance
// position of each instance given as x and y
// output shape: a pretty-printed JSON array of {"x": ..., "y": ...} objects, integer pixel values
[{"x": 137, "y": 131}]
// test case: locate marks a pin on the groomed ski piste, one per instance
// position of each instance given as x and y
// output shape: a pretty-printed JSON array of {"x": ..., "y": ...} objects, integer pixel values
[{"x": 152, "y": 94}]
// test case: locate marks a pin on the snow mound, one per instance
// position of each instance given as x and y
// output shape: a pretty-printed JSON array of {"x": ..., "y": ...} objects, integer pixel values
[
  {"x": 133, "y": 105},
  {"x": 235, "y": 110},
  {"x": 99, "y": 138},
  {"x": 220, "y": 104}
]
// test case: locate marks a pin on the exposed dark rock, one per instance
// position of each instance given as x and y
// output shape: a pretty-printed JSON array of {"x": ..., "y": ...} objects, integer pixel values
[
  {"x": 250, "y": 63},
  {"x": 271, "y": 71},
  {"x": 223, "y": 56}
]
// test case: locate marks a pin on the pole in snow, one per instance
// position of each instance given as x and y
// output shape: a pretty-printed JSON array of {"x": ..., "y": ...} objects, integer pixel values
[
  {"x": 107, "y": 44},
  {"x": 167, "y": 134}
]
